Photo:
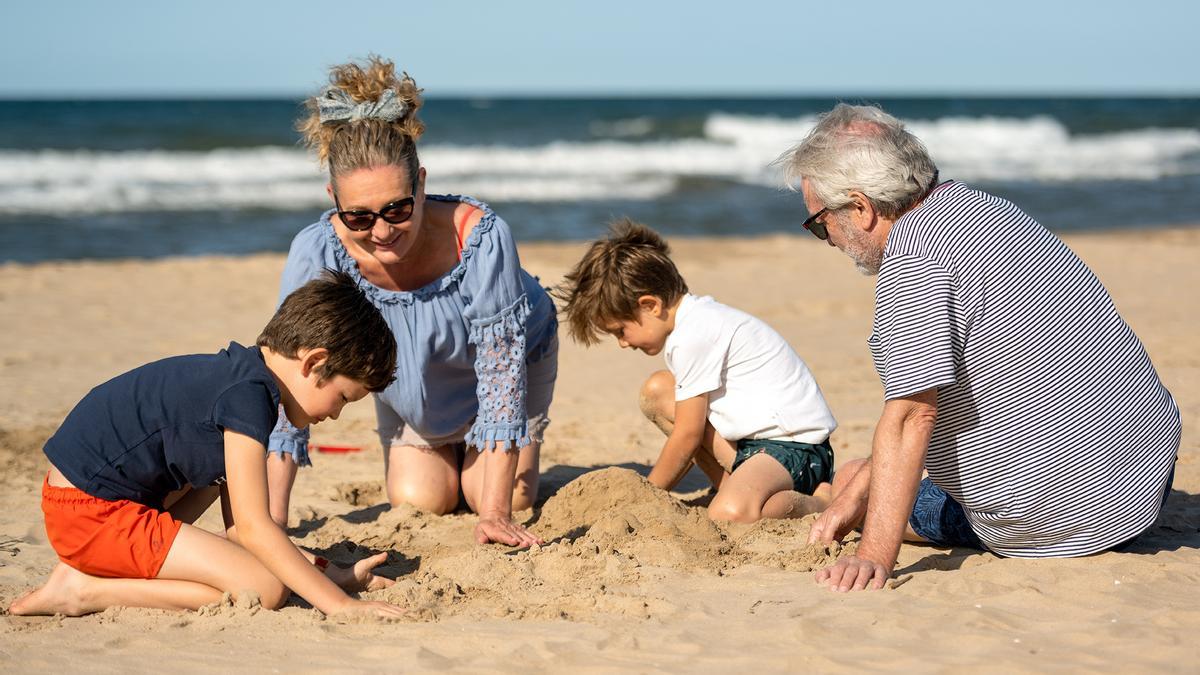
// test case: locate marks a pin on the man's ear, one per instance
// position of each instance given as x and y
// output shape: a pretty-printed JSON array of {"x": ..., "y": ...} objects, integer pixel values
[
  {"x": 861, "y": 211},
  {"x": 329, "y": 190},
  {"x": 312, "y": 359},
  {"x": 652, "y": 304}
]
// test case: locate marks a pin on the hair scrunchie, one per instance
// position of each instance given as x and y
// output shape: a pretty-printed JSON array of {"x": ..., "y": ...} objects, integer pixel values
[{"x": 335, "y": 105}]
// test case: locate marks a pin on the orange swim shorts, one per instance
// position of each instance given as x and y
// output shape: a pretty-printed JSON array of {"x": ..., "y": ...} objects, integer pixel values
[{"x": 107, "y": 538}]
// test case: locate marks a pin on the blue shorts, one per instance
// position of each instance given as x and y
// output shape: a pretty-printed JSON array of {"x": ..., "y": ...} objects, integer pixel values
[{"x": 941, "y": 521}]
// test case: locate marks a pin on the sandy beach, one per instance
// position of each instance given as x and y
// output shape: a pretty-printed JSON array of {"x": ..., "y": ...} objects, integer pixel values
[{"x": 630, "y": 578}]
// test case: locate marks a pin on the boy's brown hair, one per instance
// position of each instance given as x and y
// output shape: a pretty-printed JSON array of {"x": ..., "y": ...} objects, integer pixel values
[
  {"x": 604, "y": 287},
  {"x": 331, "y": 312}
]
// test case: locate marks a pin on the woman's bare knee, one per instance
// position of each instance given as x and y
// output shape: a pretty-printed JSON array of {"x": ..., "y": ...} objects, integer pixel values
[
  {"x": 426, "y": 478},
  {"x": 436, "y": 499}
]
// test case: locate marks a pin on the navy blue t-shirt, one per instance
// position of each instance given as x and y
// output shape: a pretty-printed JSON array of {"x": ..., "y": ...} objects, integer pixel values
[{"x": 158, "y": 428}]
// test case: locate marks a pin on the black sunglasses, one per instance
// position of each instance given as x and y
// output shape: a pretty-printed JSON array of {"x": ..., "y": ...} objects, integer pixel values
[
  {"x": 818, "y": 229},
  {"x": 395, "y": 212}
]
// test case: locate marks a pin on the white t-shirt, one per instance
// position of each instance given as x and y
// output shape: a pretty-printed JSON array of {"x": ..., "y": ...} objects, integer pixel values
[{"x": 757, "y": 386}]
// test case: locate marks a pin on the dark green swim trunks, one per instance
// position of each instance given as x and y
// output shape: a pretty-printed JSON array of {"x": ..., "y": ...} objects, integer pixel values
[{"x": 809, "y": 465}]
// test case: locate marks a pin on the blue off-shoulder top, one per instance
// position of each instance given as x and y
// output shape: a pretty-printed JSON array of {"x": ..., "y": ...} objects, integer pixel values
[{"x": 463, "y": 341}]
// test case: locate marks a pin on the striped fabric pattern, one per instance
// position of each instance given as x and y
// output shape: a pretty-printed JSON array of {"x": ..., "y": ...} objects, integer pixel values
[{"x": 1053, "y": 429}]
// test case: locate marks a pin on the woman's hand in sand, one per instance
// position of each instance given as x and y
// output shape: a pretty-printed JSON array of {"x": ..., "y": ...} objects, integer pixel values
[
  {"x": 361, "y": 576},
  {"x": 502, "y": 530},
  {"x": 385, "y": 610},
  {"x": 853, "y": 573}
]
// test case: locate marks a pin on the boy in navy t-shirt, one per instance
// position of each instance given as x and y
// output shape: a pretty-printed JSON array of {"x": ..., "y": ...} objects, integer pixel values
[{"x": 146, "y": 453}]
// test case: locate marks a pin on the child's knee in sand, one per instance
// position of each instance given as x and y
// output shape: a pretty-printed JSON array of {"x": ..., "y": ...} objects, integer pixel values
[
  {"x": 744, "y": 495},
  {"x": 656, "y": 400},
  {"x": 200, "y": 556}
]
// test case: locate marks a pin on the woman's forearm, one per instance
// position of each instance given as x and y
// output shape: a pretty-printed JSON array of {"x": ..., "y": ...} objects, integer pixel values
[{"x": 499, "y": 474}]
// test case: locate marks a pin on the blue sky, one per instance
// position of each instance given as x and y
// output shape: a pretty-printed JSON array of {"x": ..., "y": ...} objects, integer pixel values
[{"x": 141, "y": 48}]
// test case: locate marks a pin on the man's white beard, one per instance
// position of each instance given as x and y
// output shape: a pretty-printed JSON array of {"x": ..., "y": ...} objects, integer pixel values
[{"x": 860, "y": 248}]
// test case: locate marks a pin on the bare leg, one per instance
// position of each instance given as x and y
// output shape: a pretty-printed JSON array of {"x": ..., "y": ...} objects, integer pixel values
[
  {"x": 708, "y": 463},
  {"x": 743, "y": 496},
  {"x": 281, "y": 475},
  {"x": 70, "y": 592},
  {"x": 427, "y": 478},
  {"x": 793, "y": 504},
  {"x": 199, "y": 568},
  {"x": 657, "y": 402}
]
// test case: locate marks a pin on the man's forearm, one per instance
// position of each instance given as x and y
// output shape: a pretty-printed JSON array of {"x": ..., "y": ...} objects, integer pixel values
[{"x": 894, "y": 473}]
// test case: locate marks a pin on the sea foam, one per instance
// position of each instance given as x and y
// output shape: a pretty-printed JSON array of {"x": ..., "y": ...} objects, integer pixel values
[{"x": 734, "y": 148}]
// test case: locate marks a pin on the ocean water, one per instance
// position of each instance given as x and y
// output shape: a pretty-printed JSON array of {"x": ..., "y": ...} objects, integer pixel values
[{"x": 104, "y": 179}]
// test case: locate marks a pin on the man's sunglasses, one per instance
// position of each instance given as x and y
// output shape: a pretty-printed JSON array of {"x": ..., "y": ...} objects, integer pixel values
[
  {"x": 817, "y": 228},
  {"x": 395, "y": 213}
]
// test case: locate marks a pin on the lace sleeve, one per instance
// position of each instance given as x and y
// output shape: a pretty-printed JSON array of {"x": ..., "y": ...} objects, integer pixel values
[
  {"x": 290, "y": 439},
  {"x": 500, "y": 369}
]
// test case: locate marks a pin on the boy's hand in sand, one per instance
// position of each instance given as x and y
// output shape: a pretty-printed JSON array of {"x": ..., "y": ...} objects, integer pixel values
[
  {"x": 854, "y": 573},
  {"x": 502, "y": 530},
  {"x": 360, "y": 577},
  {"x": 384, "y": 610}
]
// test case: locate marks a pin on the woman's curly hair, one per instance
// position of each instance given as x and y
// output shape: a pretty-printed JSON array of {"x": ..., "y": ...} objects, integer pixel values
[{"x": 347, "y": 145}]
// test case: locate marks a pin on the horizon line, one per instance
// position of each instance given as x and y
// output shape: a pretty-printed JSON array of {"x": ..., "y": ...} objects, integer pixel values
[{"x": 459, "y": 95}]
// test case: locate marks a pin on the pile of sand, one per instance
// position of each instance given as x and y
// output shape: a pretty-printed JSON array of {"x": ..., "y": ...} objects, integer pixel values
[{"x": 607, "y": 532}]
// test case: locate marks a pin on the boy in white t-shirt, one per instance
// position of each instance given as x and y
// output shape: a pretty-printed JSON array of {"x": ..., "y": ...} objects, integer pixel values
[{"x": 735, "y": 398}]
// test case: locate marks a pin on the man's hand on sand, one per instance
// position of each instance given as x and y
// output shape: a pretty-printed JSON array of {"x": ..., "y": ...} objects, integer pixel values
[
  {"x": 836, "y": 521},
  {"x": 502, "y": 530},
  {"x": 853, "y": 573},
  {"x": 361, "y": 576}
]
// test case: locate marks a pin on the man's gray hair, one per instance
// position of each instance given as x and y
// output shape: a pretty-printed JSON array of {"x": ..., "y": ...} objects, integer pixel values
[{"x": 861, "y": 148}]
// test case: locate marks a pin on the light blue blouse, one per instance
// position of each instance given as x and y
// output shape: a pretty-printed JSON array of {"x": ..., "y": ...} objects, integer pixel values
[{"x": 463, "y": 341}]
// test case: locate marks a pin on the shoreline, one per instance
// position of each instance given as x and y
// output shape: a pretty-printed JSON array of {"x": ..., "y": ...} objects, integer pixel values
[{"x": 1154, "y": 230}]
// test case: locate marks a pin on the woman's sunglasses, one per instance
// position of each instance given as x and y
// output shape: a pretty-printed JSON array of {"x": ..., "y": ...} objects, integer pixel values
[
  {"x": 395, "y": 213},
  {"x": 817, "y": 228}
]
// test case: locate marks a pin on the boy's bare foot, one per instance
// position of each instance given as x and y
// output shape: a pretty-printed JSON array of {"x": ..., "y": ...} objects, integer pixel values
[
  {"x": 61, "y": 594},
  {"x": 824, "y": 495}
]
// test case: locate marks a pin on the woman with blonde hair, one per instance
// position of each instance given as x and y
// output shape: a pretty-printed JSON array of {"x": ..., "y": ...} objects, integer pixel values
[{"x": 476, "y": 341}]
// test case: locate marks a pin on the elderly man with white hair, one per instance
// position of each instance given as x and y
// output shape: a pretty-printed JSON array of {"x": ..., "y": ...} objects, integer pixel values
[{"x": 1008, "y": 374}]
